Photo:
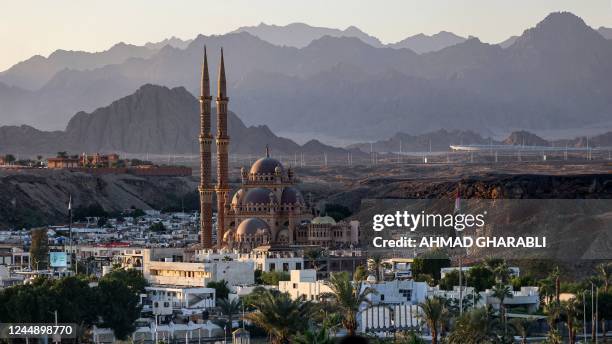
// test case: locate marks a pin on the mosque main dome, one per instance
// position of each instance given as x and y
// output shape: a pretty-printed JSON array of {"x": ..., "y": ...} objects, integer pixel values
[
  {"x": 266, "y": 165},
  {"x": 252, "y": 226}
]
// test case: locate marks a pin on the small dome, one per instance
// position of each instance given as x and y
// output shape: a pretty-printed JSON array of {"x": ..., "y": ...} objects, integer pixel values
[
  {"x": 237, "y": 196},
  {"x": 291, "y": 196},
  {"x": 266, "y": 165},
  {"x": 251, "y": 226},
  {"x": 258, "y": 195},
  {"x": 371, "y": 279},
  {"x": 228, "y": 235},
  {"x": 283, "y": 235},
  {"x": 323, "y": 220}
]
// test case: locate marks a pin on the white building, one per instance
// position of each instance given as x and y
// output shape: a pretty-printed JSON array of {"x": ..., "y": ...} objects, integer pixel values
[
  {"x": 528, "y": 297},
  {"x": 166, "y": 300},
  {"x": 198, "y": 274},
  {"x": 303, "y": 283},
  {"x": 399, "y": 268},
  {"x": 514, "y": 271},
  {"x": 264, "y": 258},
  {"x": 396, "y": 292}
]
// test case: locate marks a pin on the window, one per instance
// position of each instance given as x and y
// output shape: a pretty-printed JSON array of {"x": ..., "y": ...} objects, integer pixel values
[
  {"x": 294, "y": 285},
  {"x": 298, "y": 266},
  {"x": 407, "y": 293},
  {"x": 285, "y": 266},
  {"x": 272, "y": 266},
  {"x": 382, "y": 297}
]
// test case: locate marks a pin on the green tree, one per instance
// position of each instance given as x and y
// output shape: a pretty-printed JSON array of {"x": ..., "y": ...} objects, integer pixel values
[
  {"x": 131, "y": 277},
  {"x": 409, "y": 337},
  {"x": 314, "y": 255},
  {"x": 313, "y": 336},
  {"x": 39, "y": 249},
  {"x": 229, "y": 309},
  {"x": 502, "y": 292},
  {"x": 337, "y": 211},
  {"x": 501, "y": 273},
  {"x": 521, "y": 327},
  {"x": 569, "y": 310},
  {"x": 605, "y": 271},
  {"x": 553, "y": 312},
  {"x": 118, "y": 306},
  {"x": 280, "y": 316},
  {"x": 434, "y": 313},
  {"x": 431, "y": 263},
  {"x": 221, "y": 289},
  {"x": 480, "y": 277},
  {"x": 450, "y": 280},
  {"x": 347, "y": 296},
  {"x": 9, "y": 159},
  {"x": 555, "y": 276},
  {"x": 360, "y": 274},
  {"x": 157, "y": 227},
  {"x": 376, "y": 266},
  {"x": 273, "y": 277},
  {"x": 477, "y": 326}
]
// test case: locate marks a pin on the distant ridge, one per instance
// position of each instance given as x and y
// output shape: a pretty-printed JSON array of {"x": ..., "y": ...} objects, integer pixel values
[
  {"x": 154, "y": 119},
  {"x": 606, "y": 32},
  {"x": 440, "y": 140},
  {"x": 299, "y": 35},
  {"x": 422, "y": 43}
]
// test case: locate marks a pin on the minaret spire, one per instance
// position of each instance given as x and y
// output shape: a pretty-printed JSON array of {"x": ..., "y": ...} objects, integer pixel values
[
  {"x": 267, "y": 151},
  {"x": 205, "y": 188},
  {"x": 205, "y": 88},
  {"x": 223, "y": 141},
  {"x": 221, "y": 87}
]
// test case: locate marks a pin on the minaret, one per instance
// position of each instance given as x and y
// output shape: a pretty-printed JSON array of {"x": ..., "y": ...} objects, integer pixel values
[
  {"x": 222, "y": 153},
  {"x": 206, "y": 189}
]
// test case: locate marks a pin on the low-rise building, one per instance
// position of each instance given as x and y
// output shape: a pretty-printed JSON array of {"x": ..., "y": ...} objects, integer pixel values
[
  {"x": 304, "y": 283},
  {"x": 168, "y": 300},
  {"x": 166, "y": 271},
  {"x": 396, "y": 291}
]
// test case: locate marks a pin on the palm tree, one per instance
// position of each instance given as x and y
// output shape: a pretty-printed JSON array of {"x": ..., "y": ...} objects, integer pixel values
[
  {"x": 434, "y": 313},
  {"x": 314, "y": 255},
  {"x": 555, "y": 276},
  {"x": 553, "y": 311},
  {"x": 501, "y": 292},
  {"x": 347, "y": 297},
  {"x": 229, "y": 308},
  {"x": 522, "y": 327},
  {"x": 605, "y": 270},
  {"x": 320, "y": 336},
  {"x": 502, "y": 273},
  {"x": 475, "y": 327},
  {"x": 375, "y": 266},
  {"x": 570, "y": 309},
  {"x": 547, "y": 289},
  {"x": 280, "y": 316}
]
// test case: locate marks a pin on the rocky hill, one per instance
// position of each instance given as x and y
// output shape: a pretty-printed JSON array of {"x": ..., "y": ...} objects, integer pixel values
[
  {"x": 154, "y": 119},
  {"x": 40, "y": 197}
]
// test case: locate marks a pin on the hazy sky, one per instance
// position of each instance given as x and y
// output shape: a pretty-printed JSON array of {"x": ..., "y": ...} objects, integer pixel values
[{"x": 29, "y": 27}]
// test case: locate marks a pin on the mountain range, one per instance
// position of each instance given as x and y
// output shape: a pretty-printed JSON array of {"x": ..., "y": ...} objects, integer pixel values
[
  {"x": 422, "y": 43},
  {"x": 440, "y": 140},
  {"x": 554, "y": 76},
  {"x": 154, "y": 119}
]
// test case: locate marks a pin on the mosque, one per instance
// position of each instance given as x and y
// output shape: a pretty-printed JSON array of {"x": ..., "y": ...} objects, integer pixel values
[{"x": 267, "y": 208}]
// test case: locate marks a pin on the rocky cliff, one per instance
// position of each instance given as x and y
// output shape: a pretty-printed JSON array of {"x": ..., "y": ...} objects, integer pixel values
[{"x": 40, "y": 197}]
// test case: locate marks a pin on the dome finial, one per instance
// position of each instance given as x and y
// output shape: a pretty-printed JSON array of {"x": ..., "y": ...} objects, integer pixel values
[{"x": 267, "y": 151}]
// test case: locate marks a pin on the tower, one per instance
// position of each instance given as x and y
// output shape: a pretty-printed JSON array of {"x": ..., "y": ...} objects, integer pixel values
[
  {"x": 223, "y": 140},
  {"x": 205, "y": 188}
]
